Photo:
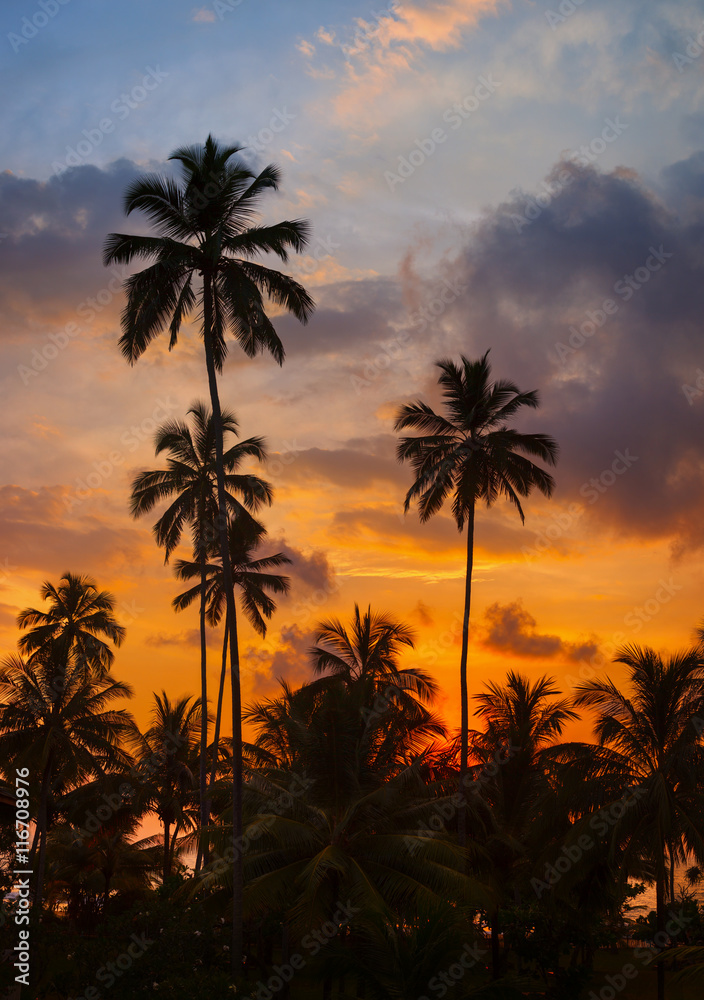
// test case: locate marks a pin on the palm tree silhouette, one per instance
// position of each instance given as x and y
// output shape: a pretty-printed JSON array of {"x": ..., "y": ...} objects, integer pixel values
[
  {"x": 56, "y": 720},
  {"x": 651, "y": 739},
  {"x": 204, "y": 234},
  {"x": 471, "y": 455},
  {"x": 77, "y": 616},
  {"x": 190, "y": 478},
  {"x": 166, "y": 761},
  {"x": 522, "y": 725},
  {"x": 254, "y": 582}
]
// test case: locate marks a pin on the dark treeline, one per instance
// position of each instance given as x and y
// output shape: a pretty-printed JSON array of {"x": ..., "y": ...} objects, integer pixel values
[{"x": 355, "y": 883}]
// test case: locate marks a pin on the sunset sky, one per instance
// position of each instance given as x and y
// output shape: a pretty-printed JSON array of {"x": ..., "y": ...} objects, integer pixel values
[{"x": 518, "y": 176}]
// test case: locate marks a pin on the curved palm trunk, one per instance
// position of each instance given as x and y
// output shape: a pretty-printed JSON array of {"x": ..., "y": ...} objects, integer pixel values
[
  {"x": 204, "y": 712},
  {"x": 464, "y": 704},
  {"x": 237, "y": 867}
]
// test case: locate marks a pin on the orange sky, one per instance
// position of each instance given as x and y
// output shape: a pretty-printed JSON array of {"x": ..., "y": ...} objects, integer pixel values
[{"x": 527, "y": 215}]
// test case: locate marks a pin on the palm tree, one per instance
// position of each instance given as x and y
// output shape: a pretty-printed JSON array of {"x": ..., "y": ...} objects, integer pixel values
[
  {"x": 167, "y": 758},
  {"x": 354, "y": 834},
  {"x": 522, "y": 726},
  {"x": 255, "y": 584},
  {"x": 364, "y": 658},
  {"x": 77, "y": 616},
  {"x": 651, "y": 739},
  {"x": 204, "y": 233},
  {"x": 471, "y": 455},
  {"x": 190, "y": 478},
  {"x": 57, "y": 721},
  {"x": 85, "y": 872}
]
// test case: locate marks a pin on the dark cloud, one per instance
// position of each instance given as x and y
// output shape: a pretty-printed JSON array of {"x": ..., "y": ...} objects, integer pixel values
[
  {"x": 37, "y": 533},
  {"x": 349, "y": 467},
  {"x": 509, "y": 628},
  {"x": 312, "y": 572},
  {"x": 55, "y": 232},
  {"x": 290, "y": 662},
  {"x": 534, "y": 272}
]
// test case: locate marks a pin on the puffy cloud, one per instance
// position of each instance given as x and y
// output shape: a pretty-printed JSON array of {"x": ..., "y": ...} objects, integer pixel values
[
  {"x": 290, "y": 662},
  {"x": 590, "y": 290},
  {"x": 509, "y": 628}
]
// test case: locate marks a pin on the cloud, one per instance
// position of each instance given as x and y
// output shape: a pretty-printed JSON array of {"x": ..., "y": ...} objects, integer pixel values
[
  {"x": 378, "y": 51},
  {"x": 203, "y": 15},
  {"x": 36, "y": 533},
  {"x": 311, "y": 571},
  {"x": 289, "y": 662},
  {"x": 509, "y": 628},
  {"x": 590, "y": 291}
]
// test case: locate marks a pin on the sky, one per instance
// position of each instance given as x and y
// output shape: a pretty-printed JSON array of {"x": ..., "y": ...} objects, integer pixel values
[{"x": 479, "y": 175}]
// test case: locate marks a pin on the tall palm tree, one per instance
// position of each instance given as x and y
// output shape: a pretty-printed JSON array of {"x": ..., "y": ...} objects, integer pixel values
[
  {"x": 78, "y": 619},
  {"x": 167, "y": 756},
  {"x": 64, "y": 729},
  {"x": 190, "y": 478},
  {"x": 204, "y": 236},
  {"x": 471, "y": 455},
  {"x": 650, "y": 738},
  {"x": 255, "y": 584},
  {"x": 522, "y": 725}
]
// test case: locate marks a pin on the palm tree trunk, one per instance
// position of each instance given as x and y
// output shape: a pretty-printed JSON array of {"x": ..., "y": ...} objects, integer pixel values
[
  {"x": 204, "y": 711},
  {"x": 237, "y": 866},
  {"x": 167, "y": 857},
  {"x": 495, "y": 946},
  {"x": 43, "y": 829},
  {"x": 238, "y": 862},
  {"x": 660, "y": 914},
  {"x": 218, "y": 714},
  {"x": 464, "y": 704}
]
